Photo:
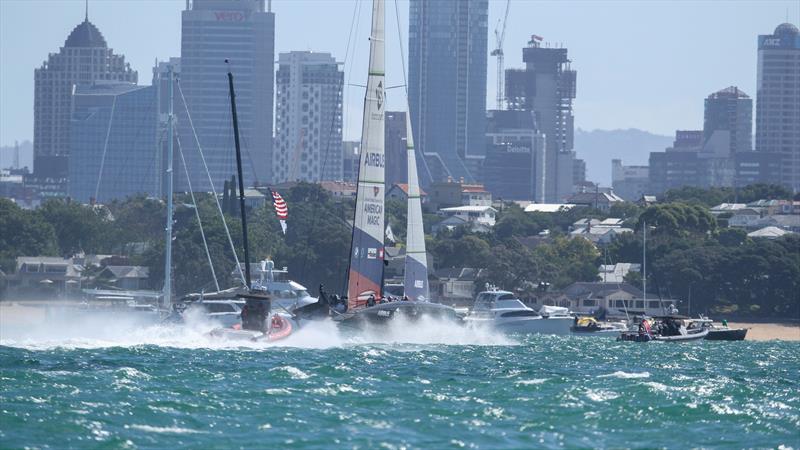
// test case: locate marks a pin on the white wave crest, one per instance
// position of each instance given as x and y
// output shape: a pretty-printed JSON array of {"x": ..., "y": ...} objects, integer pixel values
[
  {"x": 626, "y": 375},
  {"x": 293, "y": 371},
  {"x": 166, "y": 430}
]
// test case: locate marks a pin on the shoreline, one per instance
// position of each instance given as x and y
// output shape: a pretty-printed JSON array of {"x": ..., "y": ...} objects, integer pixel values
[
  {"x": 35, "y": 312},
  {"x": 768, "y": 331}
]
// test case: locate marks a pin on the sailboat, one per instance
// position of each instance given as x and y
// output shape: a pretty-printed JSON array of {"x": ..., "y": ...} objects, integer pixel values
[
  {"x": 259, "y": 322},
  {"x": 364, "y": 301}
]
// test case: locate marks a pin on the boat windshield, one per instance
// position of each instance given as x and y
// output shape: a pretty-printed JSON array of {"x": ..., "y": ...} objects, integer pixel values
[
  {"x": 512, "y": 303},
  {"x": 493, "y": 300}
]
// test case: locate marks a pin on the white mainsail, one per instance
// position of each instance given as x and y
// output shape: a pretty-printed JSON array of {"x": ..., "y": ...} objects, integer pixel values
[
  {"x": 415, "y": 280},
  {"x": 366, "y": 250}
]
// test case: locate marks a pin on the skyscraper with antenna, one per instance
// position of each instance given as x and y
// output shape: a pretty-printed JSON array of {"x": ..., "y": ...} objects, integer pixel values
[{"x": 84, "y": 58}]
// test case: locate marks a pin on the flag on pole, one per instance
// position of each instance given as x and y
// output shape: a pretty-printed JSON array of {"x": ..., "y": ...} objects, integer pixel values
[{"x": 281, "y": 210}]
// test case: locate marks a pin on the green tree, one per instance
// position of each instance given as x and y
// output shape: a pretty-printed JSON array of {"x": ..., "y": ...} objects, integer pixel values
[
  {"x": 78, "y": 227},
  {"x": 513, "y": 221},
  {"x": 678, "y": 218},
  {"x": 23, "y": 233}
]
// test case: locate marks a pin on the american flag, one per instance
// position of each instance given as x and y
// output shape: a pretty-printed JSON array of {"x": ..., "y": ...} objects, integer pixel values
[{"x": 281, "y": 210}]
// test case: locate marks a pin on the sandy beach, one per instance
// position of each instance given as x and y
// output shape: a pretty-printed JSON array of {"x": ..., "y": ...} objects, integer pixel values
[{"x": 769, "y": 331}]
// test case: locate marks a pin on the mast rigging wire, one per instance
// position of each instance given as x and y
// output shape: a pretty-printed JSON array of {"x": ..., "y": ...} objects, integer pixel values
[
  {"x": 197, "y": 212},
  {"x": 105, "y": 148},
  {"x": 211, "y": 182}
]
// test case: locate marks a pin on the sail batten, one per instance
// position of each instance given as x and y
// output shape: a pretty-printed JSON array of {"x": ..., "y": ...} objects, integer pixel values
[{"x": 367, "y": 247}]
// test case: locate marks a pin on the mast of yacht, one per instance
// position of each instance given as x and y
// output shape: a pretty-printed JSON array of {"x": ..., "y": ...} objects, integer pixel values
[
  {"x": 241, "y": 179},
  {"x": 367, "y": 245},
  {"x": 167, "y": 294},
  {"x": 644, "y": 262}
]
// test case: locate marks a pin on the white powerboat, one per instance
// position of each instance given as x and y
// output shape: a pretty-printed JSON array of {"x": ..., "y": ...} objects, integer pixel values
[
  {"x": 286, "y": 295},
  {"x": 503, "y": 311},
  {"x": 226, "y": 313}
]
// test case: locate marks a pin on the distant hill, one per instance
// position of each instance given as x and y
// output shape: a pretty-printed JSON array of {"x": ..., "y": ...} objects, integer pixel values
[
  {"x": 632, "y": 146},
  {"x": 25, "y": 155}
]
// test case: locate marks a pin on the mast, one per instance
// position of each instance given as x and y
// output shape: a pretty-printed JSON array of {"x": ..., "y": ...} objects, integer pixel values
[
  {"x": 366, "y": 249},
  {"x": 239, "y": 172},
  {"x": 168, "y": 238},
  {"x": 644, "y": 262}
]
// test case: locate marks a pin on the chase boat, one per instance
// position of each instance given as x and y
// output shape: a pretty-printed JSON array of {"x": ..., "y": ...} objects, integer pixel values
[{"x": 503, "y": 311}]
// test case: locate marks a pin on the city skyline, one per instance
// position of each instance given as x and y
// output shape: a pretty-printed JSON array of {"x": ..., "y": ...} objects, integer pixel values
[{"x": 708, "y": 55}]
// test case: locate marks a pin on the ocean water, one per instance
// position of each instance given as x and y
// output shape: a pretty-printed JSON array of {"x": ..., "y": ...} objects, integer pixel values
[{"x": 115, "y": 385}]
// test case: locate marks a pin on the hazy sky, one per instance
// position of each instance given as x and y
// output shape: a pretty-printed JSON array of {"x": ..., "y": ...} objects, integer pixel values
[{"x": 641, "y": 64}]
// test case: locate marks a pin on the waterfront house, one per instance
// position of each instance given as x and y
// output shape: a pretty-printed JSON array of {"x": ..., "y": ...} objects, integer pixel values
[
  {"x": 598, "y": 200},
  {"x": 768, "y": 233},
  {"x": 456, "y": 286},
  {"x": 399, "y": 191},
  {"x": 472, "y": 214}
]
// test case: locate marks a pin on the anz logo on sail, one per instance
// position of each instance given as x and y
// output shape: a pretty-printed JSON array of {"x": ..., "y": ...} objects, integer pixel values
[{"x": 374, "y": 159}]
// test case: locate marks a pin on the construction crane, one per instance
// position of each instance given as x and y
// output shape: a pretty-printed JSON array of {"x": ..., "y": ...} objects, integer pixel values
[{"x": 500, "y": 35}]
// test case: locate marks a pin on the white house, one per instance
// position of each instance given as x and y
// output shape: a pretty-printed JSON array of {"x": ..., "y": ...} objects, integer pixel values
[{"x": 484, "y": 215}]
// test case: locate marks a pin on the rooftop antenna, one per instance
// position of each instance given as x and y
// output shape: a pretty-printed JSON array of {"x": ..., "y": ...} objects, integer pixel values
[{"x": 86, "y": 17}]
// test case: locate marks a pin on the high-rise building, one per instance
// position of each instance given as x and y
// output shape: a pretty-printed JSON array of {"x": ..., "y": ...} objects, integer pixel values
[
  {"x": 394, "y": 138},
  {"x": 84, "y": 58},
  {"x": 629, "y": 182},
  {"x": 243, "y": 32},
  {"x": 547, "y": 87},
  {"x": 308, "y": 125},
  {"x": 778, "y": 100},
  {"x": 448, "y": 51},
  {"x": 350, "y": 161},
  {"x": 113, "y": 142},
  {"x": 728, "y": 122},
  {"x": 514, "y": 164}
]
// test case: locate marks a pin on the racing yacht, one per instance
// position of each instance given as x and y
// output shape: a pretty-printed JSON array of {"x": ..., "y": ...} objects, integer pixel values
[{"x": 365, "y": 301}]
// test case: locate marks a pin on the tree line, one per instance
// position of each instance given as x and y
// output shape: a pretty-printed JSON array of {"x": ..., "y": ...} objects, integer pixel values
[{"x": 689, "y": 255}]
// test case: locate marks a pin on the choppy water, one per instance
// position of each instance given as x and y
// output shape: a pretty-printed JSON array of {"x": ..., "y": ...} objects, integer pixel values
[{"x": 431, "y": 387}]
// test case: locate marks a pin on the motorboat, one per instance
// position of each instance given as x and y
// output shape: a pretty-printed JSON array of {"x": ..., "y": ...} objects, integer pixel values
[
  {"x": 503, "y": 311},
  {"x": 277, "y": 327},
  {"x": 720, "y": 332},
  {"x": 287, "y": 295},
  {"x": 227, "y": 313},
  {"x": 673, "y": 328},
  {"x": 590, "y": 326}
]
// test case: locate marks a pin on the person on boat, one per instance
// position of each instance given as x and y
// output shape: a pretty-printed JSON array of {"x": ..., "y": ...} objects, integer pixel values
[
  {"x": 405, "y": 298},
  {"x": 371, "y": 300},
  {"x": 672, "y": 309},
  {"x": 644, "y": 327},
  {"x": 725, "y": 323},
  {"x": 277, "y": 323}
]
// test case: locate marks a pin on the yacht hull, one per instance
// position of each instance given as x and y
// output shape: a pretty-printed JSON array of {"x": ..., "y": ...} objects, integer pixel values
[
  {"x": 526, "y": 325},
  {"x": 730, "y": 334},
  {"x": 385, "y": 313}
]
